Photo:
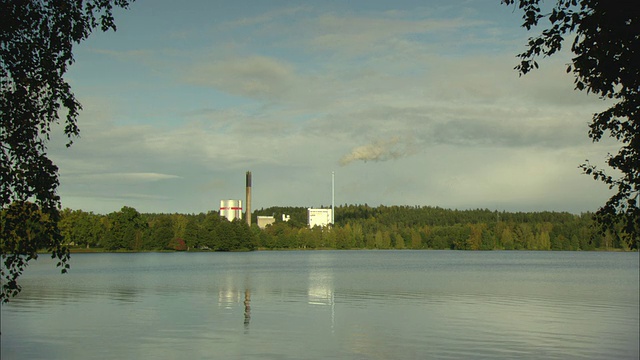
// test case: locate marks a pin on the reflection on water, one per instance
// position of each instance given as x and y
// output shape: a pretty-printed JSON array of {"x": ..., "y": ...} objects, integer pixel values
[
  {"x": 328, "y": 304},
  {"x": 247, "y": 309},
  {"x": 228, "y": 299},
  {"x": 320, "y": 288}
]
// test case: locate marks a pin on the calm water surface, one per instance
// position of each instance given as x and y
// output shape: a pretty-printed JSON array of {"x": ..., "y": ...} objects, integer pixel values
[{"x": 328, "y": 305}]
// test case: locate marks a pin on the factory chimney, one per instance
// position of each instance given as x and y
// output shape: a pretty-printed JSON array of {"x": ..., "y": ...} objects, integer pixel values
[{"x": 248, "y": 200}]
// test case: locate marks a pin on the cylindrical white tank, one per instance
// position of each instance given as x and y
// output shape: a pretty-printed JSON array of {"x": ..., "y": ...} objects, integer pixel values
[{"x": 231, "y": 209}]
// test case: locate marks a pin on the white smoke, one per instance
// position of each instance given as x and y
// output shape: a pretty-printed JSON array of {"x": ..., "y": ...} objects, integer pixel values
[{"x": 380, "y": 150}]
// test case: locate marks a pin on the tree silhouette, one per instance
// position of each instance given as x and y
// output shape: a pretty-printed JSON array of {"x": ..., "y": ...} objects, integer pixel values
[
  {"x": 36, "y": 43},
  {"x": 606, "y": 60}
]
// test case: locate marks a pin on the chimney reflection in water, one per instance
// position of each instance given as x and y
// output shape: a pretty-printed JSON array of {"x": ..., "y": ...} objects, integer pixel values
[{"x": 247, "y": 309}]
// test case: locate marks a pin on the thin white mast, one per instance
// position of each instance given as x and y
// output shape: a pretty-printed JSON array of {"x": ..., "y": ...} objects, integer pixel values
[{"x": 333, "y": 197}]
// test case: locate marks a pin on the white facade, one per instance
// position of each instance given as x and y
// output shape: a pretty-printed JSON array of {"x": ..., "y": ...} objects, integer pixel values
[
  {"x": 263, "y": 221},
  {"x": 319, "y": 217},
  {"x": 231, "y": 209}
]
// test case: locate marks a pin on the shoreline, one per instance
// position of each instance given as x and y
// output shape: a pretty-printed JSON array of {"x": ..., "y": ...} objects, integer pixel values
[{"x": 104, "y": 251}]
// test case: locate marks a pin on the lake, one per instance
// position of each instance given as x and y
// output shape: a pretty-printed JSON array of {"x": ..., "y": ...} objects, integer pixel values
[{"x": 328, "y": 305}]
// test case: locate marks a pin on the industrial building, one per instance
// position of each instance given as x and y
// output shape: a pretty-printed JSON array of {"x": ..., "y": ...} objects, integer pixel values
[
  {"x": 231, "y": 209},
  {"x": 319, "y": 217},
  {"x": 263, "y": 221}
]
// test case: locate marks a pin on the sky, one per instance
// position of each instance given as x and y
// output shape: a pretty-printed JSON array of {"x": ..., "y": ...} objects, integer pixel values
[{"x": 406, "y": 102}]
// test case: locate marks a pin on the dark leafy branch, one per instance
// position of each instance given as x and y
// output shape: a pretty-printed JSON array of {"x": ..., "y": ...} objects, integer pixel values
[
  {"x": 606, "y": 60},
  {"x": 36, "y": 49}
]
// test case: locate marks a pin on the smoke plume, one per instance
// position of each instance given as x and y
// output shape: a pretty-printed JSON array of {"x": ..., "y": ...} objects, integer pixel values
[{"x": 379, "y": 150}]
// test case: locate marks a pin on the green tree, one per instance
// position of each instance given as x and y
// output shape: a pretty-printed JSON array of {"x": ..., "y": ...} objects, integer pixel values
[
  {"x": 523, "y": 237},
  {"x": 24, "y": 229},
  {"x": 179, "y": 225},
  {"x": 489, "y": 240},
  {"x": 36, "y": 43},
  {"x": 416, "y": 239},
  {"x": 439, "y": 237},
  {"x": 303, "y": 238},
  {"x": 191, "y": 233},
  {"x": 68, "y": 225},
  {"x": 91, "y": 229},
  {"x": 127, "y": 226},
  {"x": 382, "y": 240},
  {"x": 245, "y": 236},
  {"x": 605, "y": 62},
  {"x": 103, "y": 230},
  {"x": 228, "y": 238},
  {"x": 474, "y": 242},
  {"x": 162, "y": 233},
  {"x": 79, "y": 227},
  {"x": 458, "y": 235},
  {"x": 358, "y": 235},
  {"x": 208, "y": 234},
  {"x": 507, "y": 238},
  {"x": 399, "y": 241},
  {"x": 560, "y": 243},
  {"x": 543, "y": 239},
  {"x": 346, "y": 238}
]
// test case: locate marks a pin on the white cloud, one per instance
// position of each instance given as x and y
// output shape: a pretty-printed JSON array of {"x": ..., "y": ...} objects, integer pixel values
[
  {"x": 256, "y": 77},
  {"x": 142, "y": 177}
]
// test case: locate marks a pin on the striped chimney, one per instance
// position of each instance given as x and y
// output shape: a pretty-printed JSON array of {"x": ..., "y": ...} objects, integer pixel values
[{"x": 248, "y": 200}]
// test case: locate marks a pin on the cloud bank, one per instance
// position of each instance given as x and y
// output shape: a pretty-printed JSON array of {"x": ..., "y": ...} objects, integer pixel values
[{"x": 412, "y": 105}]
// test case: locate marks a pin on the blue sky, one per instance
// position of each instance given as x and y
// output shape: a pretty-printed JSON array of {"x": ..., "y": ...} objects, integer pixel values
[{"x": 408, "y": 102}]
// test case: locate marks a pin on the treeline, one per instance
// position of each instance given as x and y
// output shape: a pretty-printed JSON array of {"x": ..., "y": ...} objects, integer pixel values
[
  {"x": 415, "y": 227},
  {"x": 357, "y": 227},
  {"x": 128, "y": 229}
]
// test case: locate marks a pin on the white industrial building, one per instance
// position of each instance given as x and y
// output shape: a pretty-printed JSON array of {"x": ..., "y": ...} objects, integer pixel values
[
  {"x": 263, "y": 221},
  {"x": 319, "y": 217},
  {"x": 231, "y": 209}
]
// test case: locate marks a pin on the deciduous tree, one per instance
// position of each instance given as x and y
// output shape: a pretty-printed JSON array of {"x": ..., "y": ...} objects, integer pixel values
[
  {"x": 127, "y": 226},
  {"x": 606, "y": 62},
  {"x": 24, "y": 229},
  {"x": 36, "y": 43}
]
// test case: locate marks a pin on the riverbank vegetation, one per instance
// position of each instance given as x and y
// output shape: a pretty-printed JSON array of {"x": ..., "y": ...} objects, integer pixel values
[{"x": 357, "y": 227}]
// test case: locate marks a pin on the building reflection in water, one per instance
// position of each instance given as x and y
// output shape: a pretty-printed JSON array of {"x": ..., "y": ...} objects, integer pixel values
[
  {"x": 320, "y": 291},
  {"x": 229, "y": 298}
]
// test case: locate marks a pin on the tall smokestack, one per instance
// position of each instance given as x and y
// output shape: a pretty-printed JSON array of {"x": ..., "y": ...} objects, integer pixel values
[
  {"x": 333, "y": 198},
  {"x": 248, "y": 200}
]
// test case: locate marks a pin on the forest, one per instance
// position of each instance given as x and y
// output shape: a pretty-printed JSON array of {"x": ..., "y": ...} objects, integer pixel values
[{"x": 356, "y": 227}]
